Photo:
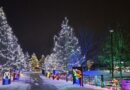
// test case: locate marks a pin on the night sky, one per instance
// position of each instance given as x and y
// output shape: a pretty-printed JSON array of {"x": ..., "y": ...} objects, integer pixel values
[{"x": 35, "y": 22}]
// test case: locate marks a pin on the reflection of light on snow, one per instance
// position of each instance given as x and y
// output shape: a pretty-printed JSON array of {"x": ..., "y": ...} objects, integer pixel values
[
  {"x": 0, "y": 66},
  {"x": 21, "y": 75}
]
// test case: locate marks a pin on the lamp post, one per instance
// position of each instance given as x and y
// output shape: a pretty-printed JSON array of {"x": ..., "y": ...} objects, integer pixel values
[{"x": 112, "y": 63}]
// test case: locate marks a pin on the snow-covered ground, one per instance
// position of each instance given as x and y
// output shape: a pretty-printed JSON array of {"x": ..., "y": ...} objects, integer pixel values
[
  {"x": 63, "y": 85},
  {"x": 25, "y": 84},
  {"x": 15, "y": 86},
  {"x": 21, "y": 84}
]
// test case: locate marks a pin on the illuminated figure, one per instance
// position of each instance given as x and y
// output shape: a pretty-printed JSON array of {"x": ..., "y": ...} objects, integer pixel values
[
  {"x": 6, "y": 78},
  {"x": 77, "y": 77},
  {"x": 16, "y": 75},
  {"x": 115, "y": 83},
  {"x": 49, "y": 74}
]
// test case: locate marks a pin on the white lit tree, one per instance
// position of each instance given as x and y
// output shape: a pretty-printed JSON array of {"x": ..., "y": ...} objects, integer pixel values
[
  {"x": 19, "y": 61},
  {"x": 11, "y": 54},
  {"x": 27, "y": 61},
  {"x": 49, "y": 62},
  {"x": 41, "y": 61},
  {"x": 66, "y": 51}
]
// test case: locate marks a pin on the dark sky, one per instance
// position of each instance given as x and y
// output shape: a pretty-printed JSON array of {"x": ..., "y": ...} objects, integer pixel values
[{"x": 35, "y": 22}]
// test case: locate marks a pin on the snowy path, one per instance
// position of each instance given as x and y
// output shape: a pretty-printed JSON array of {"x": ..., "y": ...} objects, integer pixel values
[{"x": 39, "y": 84}]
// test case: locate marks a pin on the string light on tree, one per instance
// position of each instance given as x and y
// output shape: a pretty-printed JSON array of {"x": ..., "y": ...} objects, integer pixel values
[
  {"x": 66, "y": 52},
  {"x": 11, "y": 53}
]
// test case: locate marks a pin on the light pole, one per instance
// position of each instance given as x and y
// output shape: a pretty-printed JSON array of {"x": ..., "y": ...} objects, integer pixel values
[{"x": 112, "y": 67}]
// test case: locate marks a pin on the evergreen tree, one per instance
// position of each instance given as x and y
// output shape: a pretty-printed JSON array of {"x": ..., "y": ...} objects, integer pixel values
[
  {"x": 20, "y": 58},
  {"x": 26, "y": 61},
  {"x": 34, "y": 62},
  {"x": 41, "y": 61},
  {"x": 120, "y": 50},
  {"x": 49, "y": 62},
  {"x": 10, "y": 51},
  {"x": 66, "y": 49}
]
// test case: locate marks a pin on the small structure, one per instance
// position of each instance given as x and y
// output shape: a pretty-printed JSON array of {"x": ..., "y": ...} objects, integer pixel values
[
  {"x": 16, "y": 74},
  {"x": 49, "y": 74},
  {"x": 125, "y": 84},
  {"x": 56, "y": 74},
  {"x": 6, "y": 78},
  {"x": 97, "y": 81},
  {"x": 77, "y": 75}
]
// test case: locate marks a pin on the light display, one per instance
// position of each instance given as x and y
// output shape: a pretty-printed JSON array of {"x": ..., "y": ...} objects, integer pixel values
[
  {"x": 120, "y": 51},
  {"x": 11, "y": 53},
  {"x": 66, "y": 51},
  {"x": 56, "y": 74},
  {"x": 77, "y": 76},
  {"x": 16, "y": 75},
  {"x": 34, "y": 63},
  {"x": 89, "y": 64},
  {"x": 49, "y": 74},
  {"x": 126, "y": 84},
  {"x": 97, "y": 81},
  {"x": 6, "y": 78}
]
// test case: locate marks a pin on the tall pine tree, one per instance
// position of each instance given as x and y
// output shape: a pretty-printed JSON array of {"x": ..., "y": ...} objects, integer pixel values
[
  {"x": 34, "y": 62},
  {"x": 66, "y": 51},
  {"x": 49, "y": 62},
  {"x": 10, "y": 51},
  {"x": 120, "y": 50}
]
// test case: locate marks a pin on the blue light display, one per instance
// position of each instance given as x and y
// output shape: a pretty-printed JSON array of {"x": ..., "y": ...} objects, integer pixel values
[{"x": 6, "y": 78}]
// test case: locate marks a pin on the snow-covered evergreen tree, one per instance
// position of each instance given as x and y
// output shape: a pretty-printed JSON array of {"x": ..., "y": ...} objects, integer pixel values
[
  {"x": 34, "y": 62},
  {"x": 66, "y": 51},
  {"x": 19, "y": 61},
  {"x": 27, "y": 61},
  {"x": 11, "y": 53},
  {"x": 49, "y": 62},
  {"x": 41, "y": 61}
]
